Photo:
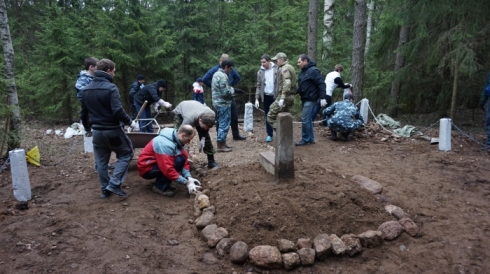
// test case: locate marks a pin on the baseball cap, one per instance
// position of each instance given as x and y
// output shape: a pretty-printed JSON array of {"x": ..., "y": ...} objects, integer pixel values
[{"x": 280, "y": 55}]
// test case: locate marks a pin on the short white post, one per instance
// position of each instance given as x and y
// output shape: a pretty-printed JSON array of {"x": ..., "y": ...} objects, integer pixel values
[
  {"x": 20, "y": 176},
  {"x": 365, "y": 110},
  {"x": 445, "y": 134},
  {"x": 88, "y": 146},
  {"x": 248, "y": 118}
]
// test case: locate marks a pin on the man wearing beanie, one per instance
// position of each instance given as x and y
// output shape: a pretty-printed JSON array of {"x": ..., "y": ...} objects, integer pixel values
[
  {"x": 135, "y": 87},
  {"x": 152, "y": 94},
  {"x": 343, "y": 117},
  {"x": 198, "y": 90}
]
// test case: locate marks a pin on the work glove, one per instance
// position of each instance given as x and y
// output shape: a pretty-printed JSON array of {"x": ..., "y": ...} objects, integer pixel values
[
  {"x": 323, "y": 102},
  {"x": 482, "y": 105},
  {"x": 193, "y": 185},
  {"x": 133, "y": 124},
  {"x": 156, "y": 107},
  {"x": 201, "y": 144},
  {"x": 164, "y": 104},
  {"x": 257, "y": 103},
  {"x": 281, "y": 103}
]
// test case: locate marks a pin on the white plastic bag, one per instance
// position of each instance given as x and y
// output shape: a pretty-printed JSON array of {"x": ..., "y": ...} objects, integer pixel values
[{"x": 69, "y": 132}]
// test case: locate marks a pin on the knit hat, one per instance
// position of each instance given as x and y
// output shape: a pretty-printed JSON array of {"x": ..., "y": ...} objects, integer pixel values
[
  {"x": 348, "y": 96},
  {"x": 140, "y": 77},
  {"x": 161, "y": 83}
]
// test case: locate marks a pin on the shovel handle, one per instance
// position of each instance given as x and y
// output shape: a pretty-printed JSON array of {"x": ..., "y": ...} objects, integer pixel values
[{"x": 139, "y": 113}]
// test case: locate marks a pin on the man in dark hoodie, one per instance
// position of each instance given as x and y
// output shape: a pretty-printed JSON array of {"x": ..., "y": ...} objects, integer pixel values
[
  {"x": 152, "y": 94},
  {"x": 103, "y": 116},
  {"x": 311, "y": 88}
]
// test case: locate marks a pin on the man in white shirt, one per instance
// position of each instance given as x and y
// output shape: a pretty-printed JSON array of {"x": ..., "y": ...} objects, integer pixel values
[{"x": 267, "y": 89}]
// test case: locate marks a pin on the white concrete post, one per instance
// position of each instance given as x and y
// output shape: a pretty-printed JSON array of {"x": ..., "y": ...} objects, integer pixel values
[
  {"x": 365, "y": 110},
  {"x": 445, "y": 134},
  {"x": 20, "y": 176},
  {"x": 248, "y": 118}
]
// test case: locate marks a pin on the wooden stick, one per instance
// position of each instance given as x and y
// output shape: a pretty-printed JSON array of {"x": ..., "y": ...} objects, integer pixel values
[{"x": 139, "y": 113}]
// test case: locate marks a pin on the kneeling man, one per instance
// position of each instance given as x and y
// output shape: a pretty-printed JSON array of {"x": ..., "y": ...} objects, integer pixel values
[{"x": 343, "y": 117}]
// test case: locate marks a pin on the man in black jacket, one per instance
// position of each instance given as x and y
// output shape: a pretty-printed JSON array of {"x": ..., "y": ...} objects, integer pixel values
[
  {"x": 103, "y": 117},
  {"x": 135, "y": 87},
  {"x": 311, "y": 88},
  {"x": 152, "y": 94}
]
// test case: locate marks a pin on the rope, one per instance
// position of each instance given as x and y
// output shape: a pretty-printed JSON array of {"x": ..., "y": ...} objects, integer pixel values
[
  {"x": 69, "y": 151},
  {"x": 468, "y": 136},
  {"x": 372, "y": 113}
]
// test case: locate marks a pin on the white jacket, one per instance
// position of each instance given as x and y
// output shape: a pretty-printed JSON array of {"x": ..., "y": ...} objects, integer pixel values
[{"x": 329, "y": 82}]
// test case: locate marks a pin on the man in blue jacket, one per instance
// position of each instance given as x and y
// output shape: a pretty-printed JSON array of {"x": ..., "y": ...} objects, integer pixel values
[
  {"x": 311, "y": 88},
  {"x": 152, "y": 95},
  {"x": 233, "y": 79},
  {"x": 483, "y": 100}
]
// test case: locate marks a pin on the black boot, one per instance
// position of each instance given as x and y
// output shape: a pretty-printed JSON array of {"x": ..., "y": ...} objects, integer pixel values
[
  {"x": 211, "y": 163},
  {"x": 334, "y": 135},
  {"x": 236, "y": 132},
  {"x": 344, "y": 136}
]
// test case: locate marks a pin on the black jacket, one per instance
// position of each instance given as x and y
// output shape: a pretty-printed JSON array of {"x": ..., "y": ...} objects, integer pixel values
[
  {"x": 150, "y": 93},
  {"x": 101, "y": 104},
  {"x": 311, "y": 85},
  {"x": 135, "y": 87}
]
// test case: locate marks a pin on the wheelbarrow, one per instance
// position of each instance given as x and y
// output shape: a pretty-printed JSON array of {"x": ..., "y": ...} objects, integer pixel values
[{"x": 141, "y": 139}]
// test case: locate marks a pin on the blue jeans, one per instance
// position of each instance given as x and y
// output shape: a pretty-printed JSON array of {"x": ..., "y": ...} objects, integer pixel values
[
  {"x": 268, "y": 100},
  {"x": 199, "y": 97},
  {"x": 105, "y": 142},
  {"x": 223, "y": 116},
  {"x": 315, "y": 110},
  {"x": 487, "y": 119},
  {"x": 307, "y": 125},
  {"x": 162, "y": 182},
  {"x": 145, "y": 125}
]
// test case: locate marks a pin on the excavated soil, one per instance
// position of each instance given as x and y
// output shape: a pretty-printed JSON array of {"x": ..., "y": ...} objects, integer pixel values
[{"x": 69, "y": 229}]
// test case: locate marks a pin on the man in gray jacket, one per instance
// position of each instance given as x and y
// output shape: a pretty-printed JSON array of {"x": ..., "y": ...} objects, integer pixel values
[{"x": 267, "y": 89}]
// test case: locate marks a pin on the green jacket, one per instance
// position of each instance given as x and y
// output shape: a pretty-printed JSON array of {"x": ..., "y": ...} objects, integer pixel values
[
  {"x": 221, "y": 90},
  {"x": 287, "y": 80}
]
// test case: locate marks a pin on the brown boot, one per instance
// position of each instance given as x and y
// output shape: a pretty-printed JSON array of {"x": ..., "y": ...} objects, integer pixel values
[
  {"x": 222, "y": 147},
  {"x": 227, "y": 146}
]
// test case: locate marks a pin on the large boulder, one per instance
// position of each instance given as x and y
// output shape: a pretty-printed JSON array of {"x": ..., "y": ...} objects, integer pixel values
[
  {"x": 353, "y": 244},
  {"x": 307, "y": 256},
  {"x": 304, "y": 243},
  {"x": 290, "y": 260},
  {"x": 338, "y": 247},
  {"x": 204, "y": 220},
  {"x": 322, "y": 246},
  {"x": 286, "y": 245},
  {"x": 371, "y": 185},
  {"x": 410, "y": 227},
  {"x": 239, "y": 252},
  {"x": 391, "y": 230},
  {"x": 223, "y": 247},
  {"x": 371, "y": 238},
  {"x": 265, "y": 256}
]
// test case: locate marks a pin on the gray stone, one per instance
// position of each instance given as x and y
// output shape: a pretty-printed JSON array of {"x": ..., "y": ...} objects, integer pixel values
[
  {"x": 391, "y": 229},
  {"x": 353, "y": 244},
  {"x": 371, "y": 238},
  {"x": 223, "y": 247},
  {"x": 265, "y": 256},
  {"x": 208, "y": 231},
  {"x": 284, "y": 158},
  {"x": 209, "y": 258},
  {"x": 322, "y": 246},
  {"x": 395, "y": 211},
  {"x": 286, "y": 245},
  {"x": 239, "y": 252},
  {"x": 203, "y": 201},
  {"x": 217, "y": 236},
  {"x": 371, "y": 185},
  {"x": 211, "y": 209},
  {"x": 173, "y": 242},
  {"x": 410, "y": 227},
  {"x": 304, "y": 243},
  {"x": 290, "y": 260},
  {"x": 307, "y": 256},
  {"x": 338, "y": 247},
  {"x": 204, "y": 220}
]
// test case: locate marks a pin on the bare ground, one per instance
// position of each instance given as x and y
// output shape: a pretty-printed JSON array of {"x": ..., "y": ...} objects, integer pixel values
[{"x": 69, "y": 229}]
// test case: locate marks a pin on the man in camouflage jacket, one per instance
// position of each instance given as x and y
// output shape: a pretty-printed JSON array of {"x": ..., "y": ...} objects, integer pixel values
[
  {"x": 222, "y": 99},
  {"x": 287, "y": 88},
  {"x": 343, "y": 117}
]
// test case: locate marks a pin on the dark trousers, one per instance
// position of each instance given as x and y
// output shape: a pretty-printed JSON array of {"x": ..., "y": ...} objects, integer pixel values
[
  {"x": 268, "y": 100},
  {"x": 162, "y": 182}
]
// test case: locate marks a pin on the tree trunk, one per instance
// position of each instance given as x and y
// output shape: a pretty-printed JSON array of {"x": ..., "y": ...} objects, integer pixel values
[
  {"x": 359, "y": 43},
  {"x": 312, "y": 28},
  {"x": 370, "y": 7},
  {"x": 455, "y": 91},
  {"x": 13, "y": 101},
  {"x": 399, "y": 63},
  {"x": 327, "y": 27}
]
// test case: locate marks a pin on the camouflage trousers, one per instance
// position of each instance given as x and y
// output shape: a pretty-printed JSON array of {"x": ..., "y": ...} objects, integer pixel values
[
  {"x": 208, "y": 145},
  {"x": 276, "y": 109}
]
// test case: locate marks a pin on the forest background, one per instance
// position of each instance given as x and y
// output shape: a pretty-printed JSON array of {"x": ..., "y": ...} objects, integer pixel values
[{"x": 416, "y": 53}]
